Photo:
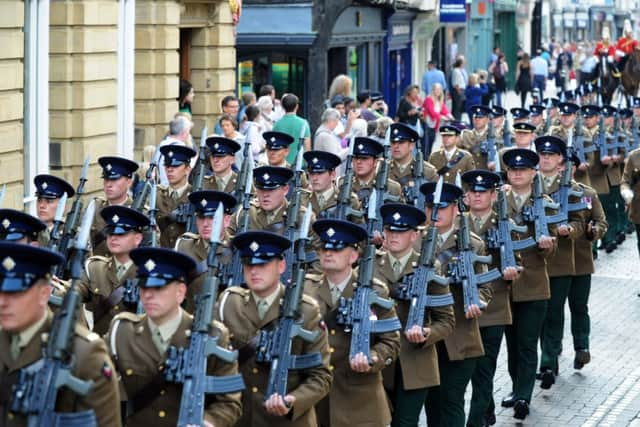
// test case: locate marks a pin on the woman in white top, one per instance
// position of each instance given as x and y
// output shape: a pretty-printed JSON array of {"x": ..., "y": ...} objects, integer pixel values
[
  {"x": 265, "y": 106},
  {"x": 326, "y": 140}
]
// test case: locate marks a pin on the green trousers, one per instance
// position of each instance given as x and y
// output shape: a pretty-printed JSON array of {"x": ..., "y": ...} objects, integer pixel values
[
  {"x": 522, "y": 345},
  {"x": 622, "y": 218},
  {"x": 407, "y": 404},
  {"x": 553, "y": 326},
  {"x": 579, "y": 306},
  {"x": 445, "y": 403},
  {"x": 609, "y": 206},
  {"x": 482, "y": 378}
]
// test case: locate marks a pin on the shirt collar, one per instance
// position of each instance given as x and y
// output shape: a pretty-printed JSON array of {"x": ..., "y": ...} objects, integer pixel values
[
  {"x": 483, "y": 218},
  {"x": 180, "y": 190},
  {"x": 327, "y": 193},
  {"x": 26, "y": 335},
  {"x": 225, "y": 179},
  {"x": 342, "y": 284},
  {"x": 168, "y": 329},
  {"x": 402, "y": 260},
  {"x": 126, "y": 264},
  {"x": 270, "y": 299},
  {"x": 446, "y": 234}
]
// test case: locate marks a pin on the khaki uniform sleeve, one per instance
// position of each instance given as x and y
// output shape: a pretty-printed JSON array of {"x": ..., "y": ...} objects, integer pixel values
[
  {"x": 104, "y": 397},
  {"x": 386, "y": 346},
  {"x": 225, "y": 409},
  {"x": 599, "y": 223},
  {"x": 317, "y": 381}
]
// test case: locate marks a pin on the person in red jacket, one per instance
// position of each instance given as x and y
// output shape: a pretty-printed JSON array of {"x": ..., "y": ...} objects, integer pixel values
[
  {"x": 625, "y": 46},
  {"x": 607, "y": 49}
]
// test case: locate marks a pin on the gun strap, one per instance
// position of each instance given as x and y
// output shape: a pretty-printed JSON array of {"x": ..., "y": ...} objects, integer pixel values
[
  {"x": 450, "y": 164},
  {"x": 7, "y": 381},
  {"x": 146, "y": 394},
  {"x": 108, "y": 303}
]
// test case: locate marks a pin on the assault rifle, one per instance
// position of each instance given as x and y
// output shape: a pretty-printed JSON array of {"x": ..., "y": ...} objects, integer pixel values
[
  {"x": 196, "y": 185},
  {"x": 461, "y": 267},
  {"x": 415, "y": 286},
  {"x": 536, "y": 212},
  {"x": 274, "y": 345},
  {"x": 131, "y": 290},
  {"x": 561, "y": 197},
  {"x": 58, "y": 223},
  {"x": 547, "y": 120},
  {"x": 291, "y": 223},
  {"x": 506, "y": 133},
  {"x": 355, "y": 313},
  {"x": 488, "y": 146},
  {"x": 141, "y": 198},
  {"x": 343, "y": 207},
  {"x": 500, "y": 237},
  {"x": 382, "y": 179},
  {"x": 579, "y": 148},
  {"x": 233, "y": 270},
  {"x": 65, "y": 246},
  {"x": 36, "y": 391},
  {"x": 239, "y": 191},
  {"x": 188, "y": 365}
]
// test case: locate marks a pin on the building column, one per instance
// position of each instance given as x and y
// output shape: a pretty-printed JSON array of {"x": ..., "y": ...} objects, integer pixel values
[
  {"x": 156, "y": 70},
  {"x": 83, "y": 86}
]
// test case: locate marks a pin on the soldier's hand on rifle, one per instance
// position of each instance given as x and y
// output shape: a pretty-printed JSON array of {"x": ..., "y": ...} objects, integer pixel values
[
  {"x": 377, "y": 239},
  {"x": 506, "y": 187},
  {"x": 278, "y": 406},
  {"x": 473, "y": 311},
  {"x": 605, "y": 160},
  {"x": 360, "y": 363},
  {"x": 491, "y": 166},
  {"x": 616, "y": 158},
  {"x": 627, "y": 195},
  {"x": 417, "y": 334},
  {"x": 545, "y": 242},
  {"x": 583, "y": 166},
  {"x": 510, "y": 273},
  {"x": 564, "y": 230}
]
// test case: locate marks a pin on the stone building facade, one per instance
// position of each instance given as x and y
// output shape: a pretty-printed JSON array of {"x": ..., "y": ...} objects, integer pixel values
[{"x": 112, "y": 71}]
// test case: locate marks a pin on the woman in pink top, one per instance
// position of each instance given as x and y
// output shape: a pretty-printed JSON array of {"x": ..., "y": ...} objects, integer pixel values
[{"x": 434, "y": 109}]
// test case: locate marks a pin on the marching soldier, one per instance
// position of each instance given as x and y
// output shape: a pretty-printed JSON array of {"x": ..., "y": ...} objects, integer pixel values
[
  {"x": 278, "y": 147},
  {"x": 416, "y": 368},
  {"x": 578, "y": 297},
  {"x": 561, "y": 267},
  {"x": 630, "y": 189},
  {"x": 49, "y": 190},
  {"x": 524, "y": 136},
  {"x": 20, "y": 227},
  {"x": 247, "y": 311},
  {"x": 605, "y": 178},
  {"x": 568, "y": 112},
  {"x": 471, "y": 139},
  {"x": 102, "y": 285},
  {"x": 402, "y": 165},
  {"x": 366, "y": 152},
  {"x": 529, "y": 295},
  {"x": 25, "y": 323},
  {"x": 626, "y": 139},
  {"x": 458, "y": 352},
  {"x": 222, "y": 156},
  {"x": 520, "y": 115},
  {"x": 480, "y": 197},
  {"x": 536, "y": 118},
  {"x": 357, "y": 395},
  {"x": 551, "y": 107},
  {"x": 449, "y": 159},
  {"x": 138, "y": 345},
  {"x": 205, "y": 203},
  {"x": 498, "y": 116},
  {"x": 177, "y": 167},
  {"x": 325, "y": 194},
  {"x": 117, "y": 174},
  {"x": 270, "y": 211}
]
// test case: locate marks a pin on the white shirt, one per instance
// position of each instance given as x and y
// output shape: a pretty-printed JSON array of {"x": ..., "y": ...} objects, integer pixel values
[{"x": 539, "y": 66}]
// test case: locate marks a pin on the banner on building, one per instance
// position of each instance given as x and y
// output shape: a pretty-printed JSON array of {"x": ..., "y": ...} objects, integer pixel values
[{"x": 453, "y": 11}]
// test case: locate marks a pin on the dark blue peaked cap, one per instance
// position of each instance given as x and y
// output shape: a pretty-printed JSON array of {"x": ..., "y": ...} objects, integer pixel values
[
  {"x": 158, "y": 267},
  {"x": 15, "y": 225},
  {"x": 338, "y": 234},
  {"x": 206, "y": 202},
  {"x": 22, "y": 265},
  {"x": 260, "y": 247},
  {"x": 176, "y": 155},
  {"x": 121, "y": 219},
  {"x": 52, "y": 187},
  {"x": 480, "y": 180},
  {"x": 117, "y": 167},
  {"x": 402, "y": 217}
]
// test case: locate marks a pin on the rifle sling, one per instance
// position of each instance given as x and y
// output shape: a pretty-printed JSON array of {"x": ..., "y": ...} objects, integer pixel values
[
  {"x": 147, "y": 394},
  {"x": 108, "y": 303}
]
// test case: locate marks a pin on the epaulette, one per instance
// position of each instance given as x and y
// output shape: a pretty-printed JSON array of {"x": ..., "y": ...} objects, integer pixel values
[
  {"x": 313, "y": 277},
  {"x": 238, "y": 290},
  {"x": 128, "y": 316},
  {"x": 310, "y": 300},
  {"x": 94, "y": 259},
  {"x": 232, "y": 290},
  {"x": 189, "y": 236},
  {"x": 162, "y": 187},
  {"x": 85, "y": 334}
]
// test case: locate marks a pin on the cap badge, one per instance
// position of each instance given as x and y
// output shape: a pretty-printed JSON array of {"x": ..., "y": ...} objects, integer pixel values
[
  {"x": 397, "y": 216},
  {"x": 547, "y": 144},
  {"x": 254, "y": 246},
  {"x": 479, "y": 178},
  {"x": 8, "y": 263},
  {"x": 518, "y": 158},
  {"x": 44, "y": 185},
  {"x": 266, "y": 177},
  {"x": 6, "y": 223},
  {"x": 115, "y": 219},
  {"x": 150, "y": 265},
  {"x": 170, "y": 154},
  {"x": 273, "y": 139},
  {"x": 331, "y": 232},
  {"x": 216, "y": 145},
  {"x": 203, "y": 202},
  {"x": 314, "y": 160},
  {"x": 108, "y": 167},
  {"x": 395, "y": 131}
]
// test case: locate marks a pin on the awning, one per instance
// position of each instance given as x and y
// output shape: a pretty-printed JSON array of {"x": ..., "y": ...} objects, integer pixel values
[{"x": 276, "y": 24}]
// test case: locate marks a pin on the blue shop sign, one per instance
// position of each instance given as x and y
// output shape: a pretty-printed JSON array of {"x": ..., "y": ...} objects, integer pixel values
[{"x": 453, "y": 11}]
